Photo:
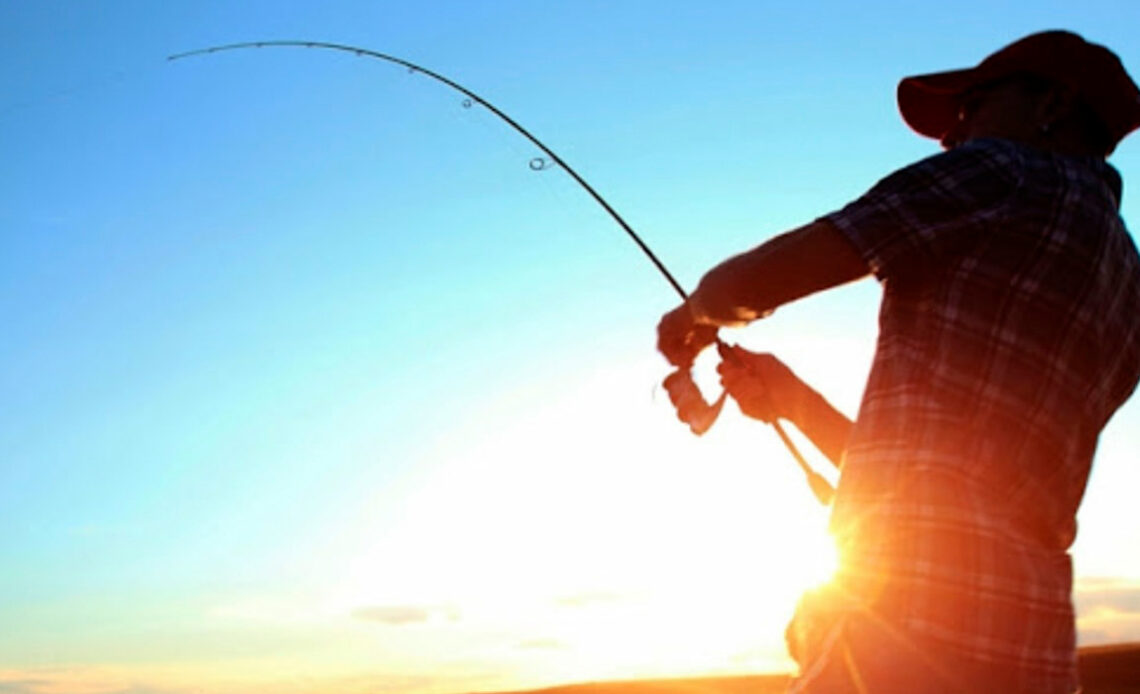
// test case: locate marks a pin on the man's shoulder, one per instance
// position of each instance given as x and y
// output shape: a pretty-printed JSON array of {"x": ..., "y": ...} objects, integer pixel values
[
  {"x": 989, "y": 153},
  {"x": 1000, "y": 161}
]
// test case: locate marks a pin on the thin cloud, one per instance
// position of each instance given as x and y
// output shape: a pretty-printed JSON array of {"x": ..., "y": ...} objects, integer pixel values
[
  {"x": 1113, "y": 595},
  {"x": 1108, "y": 610},
  {"x": 98, "y": 680},
  {"x": 542, "y": 645},
  {"x": 588, "y": 599},
  {"x": 403, "y": 615},
  {"x": 56, "y": 680},
  {"x": 23, "y": 686},
  {"x": 393, "y": 615}
]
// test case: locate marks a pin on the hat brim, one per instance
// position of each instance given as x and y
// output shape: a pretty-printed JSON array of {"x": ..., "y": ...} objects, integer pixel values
[{"x": 929, "y": 103}]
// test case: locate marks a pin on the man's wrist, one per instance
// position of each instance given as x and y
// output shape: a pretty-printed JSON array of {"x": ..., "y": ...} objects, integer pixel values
[
  {"x": 697, "y": 312},
  {"x": 708, "y": 307}
]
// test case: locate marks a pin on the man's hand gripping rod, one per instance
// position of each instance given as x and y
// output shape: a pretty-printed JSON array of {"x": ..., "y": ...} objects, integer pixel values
[{"x": 700, "y": 415}]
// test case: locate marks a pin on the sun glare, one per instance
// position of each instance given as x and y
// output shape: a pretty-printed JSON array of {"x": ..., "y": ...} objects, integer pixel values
[{"x": 619, "y": 553}]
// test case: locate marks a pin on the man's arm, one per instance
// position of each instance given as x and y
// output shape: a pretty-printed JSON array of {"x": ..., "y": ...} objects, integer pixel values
[
  {"x": 791, "y": 266},
  {"x": 753, "y": 284}
]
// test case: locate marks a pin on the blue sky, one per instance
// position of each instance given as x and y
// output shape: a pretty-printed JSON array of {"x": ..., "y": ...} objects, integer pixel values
[{"x": 308, "y": 375}]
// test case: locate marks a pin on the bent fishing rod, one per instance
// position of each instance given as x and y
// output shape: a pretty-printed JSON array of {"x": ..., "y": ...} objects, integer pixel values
[{"x": 683, "y": 385}]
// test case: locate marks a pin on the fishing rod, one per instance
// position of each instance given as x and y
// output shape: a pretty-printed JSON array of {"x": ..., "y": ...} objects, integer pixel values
[{"x": 681, "y": 386}]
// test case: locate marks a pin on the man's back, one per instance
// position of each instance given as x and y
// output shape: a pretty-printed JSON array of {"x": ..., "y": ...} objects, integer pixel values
[{"x": 1008, "y": 337}]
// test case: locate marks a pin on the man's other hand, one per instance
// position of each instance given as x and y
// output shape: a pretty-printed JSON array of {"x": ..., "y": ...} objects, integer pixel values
[{"x": 762, "y": 385}]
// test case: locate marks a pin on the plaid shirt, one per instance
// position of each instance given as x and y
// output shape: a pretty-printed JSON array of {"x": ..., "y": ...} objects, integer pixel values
[{"x": 1009, "y": 334}]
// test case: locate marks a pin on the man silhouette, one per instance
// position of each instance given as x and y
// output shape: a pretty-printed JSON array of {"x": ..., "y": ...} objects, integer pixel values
[{"x": 1009, "y": 334}]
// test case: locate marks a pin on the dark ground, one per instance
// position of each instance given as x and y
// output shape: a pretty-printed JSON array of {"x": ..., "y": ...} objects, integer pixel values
[{"x": 1111, "y": 669}]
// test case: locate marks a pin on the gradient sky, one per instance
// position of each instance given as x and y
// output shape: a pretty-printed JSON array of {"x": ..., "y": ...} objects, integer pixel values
[{"x": 310, "y": 384}]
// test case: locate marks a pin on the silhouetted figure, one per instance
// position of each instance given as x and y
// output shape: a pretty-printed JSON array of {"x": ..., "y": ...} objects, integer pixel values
[{"x": 1009, "y": 334}]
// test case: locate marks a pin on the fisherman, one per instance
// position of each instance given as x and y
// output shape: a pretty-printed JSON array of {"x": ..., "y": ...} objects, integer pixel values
[{"x": 1009, "y": 334}]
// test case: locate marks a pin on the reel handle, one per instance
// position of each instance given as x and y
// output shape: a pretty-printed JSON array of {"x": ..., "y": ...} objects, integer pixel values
[{"x": 690, "y": 403}]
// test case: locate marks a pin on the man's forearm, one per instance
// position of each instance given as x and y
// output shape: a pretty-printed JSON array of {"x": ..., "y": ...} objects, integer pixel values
[
  {"x": 791, "y": 266},
  {"x": 827, "y": 427}
]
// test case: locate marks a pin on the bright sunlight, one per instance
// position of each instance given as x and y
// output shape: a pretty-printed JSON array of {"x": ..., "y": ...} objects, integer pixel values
[{"x": 662, "y": 557}]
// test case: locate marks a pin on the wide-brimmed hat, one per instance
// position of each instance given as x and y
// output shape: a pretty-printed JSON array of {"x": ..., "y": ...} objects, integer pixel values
[{"x": 929, "y": 103}]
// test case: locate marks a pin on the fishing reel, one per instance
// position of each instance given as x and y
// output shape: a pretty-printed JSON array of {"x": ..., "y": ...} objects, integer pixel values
[
  {"x": 689, "y": 402},
  {"x": 699, "y": 414}
]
